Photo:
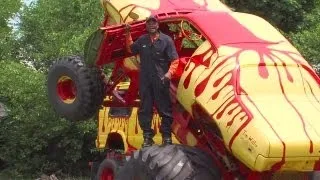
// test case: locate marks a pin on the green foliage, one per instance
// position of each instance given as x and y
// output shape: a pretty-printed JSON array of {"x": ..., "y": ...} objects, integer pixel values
[
  {"x": 307, "y": 39},
  {"x": 285, "y": 14},
  {"x": 8, "y": 9},
  {"x": 308, "y": 42},
  {"x": 52, "y": 29},
  {"x": 33, "y": 139}
]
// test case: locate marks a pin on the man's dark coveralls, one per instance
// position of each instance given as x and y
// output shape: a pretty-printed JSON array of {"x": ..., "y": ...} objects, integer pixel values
[{"x": 155, "y": 59}]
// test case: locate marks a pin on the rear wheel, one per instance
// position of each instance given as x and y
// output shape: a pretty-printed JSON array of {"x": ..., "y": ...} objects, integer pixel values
[
  {"x": 75, "y": 91},
  {"x": 108, "y": 169},
  {"x": 169, "y": 162},
  {"x": 314, "y": 175}
]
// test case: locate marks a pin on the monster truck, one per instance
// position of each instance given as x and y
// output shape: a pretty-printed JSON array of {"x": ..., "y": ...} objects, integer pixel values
[{"x": 245, "y": 102}]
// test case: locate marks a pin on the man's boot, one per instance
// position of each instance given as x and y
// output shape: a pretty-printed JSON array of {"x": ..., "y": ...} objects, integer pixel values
[
  {"x": 147, "y": 141},
  {"x": 166, "y": 140}
]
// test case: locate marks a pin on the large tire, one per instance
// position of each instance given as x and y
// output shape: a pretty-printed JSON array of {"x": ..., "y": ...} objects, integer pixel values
[
  {"x": 176, "y": 162},
  {"x": 314, "y": 175},
  {"x": 108, "y": 169},
  {"x": 75, "y": 91}
]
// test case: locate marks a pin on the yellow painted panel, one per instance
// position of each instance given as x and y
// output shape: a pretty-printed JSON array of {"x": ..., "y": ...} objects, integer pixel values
[
  {"x": 292, "y": 164},
  {"x": 250, "y": 143},
  {"x": 128, "y": 128}
]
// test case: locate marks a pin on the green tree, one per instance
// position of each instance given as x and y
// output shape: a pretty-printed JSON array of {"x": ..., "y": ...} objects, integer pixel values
[
  {"x": 8, "y": 9},
  {"x": 307, "y": 39},
  {"x": 33, "y": 140},
  {"x": 308, "y": 42},
  {"x": 285, "y": 14},
  {"x": 50, "y": 29}
]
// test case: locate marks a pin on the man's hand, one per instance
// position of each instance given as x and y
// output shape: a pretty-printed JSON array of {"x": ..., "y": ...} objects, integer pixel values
[
  {"x": 129, "y": 42},
  {"x": 166, "y": 77},
  {"x": 127, "y": 29}
]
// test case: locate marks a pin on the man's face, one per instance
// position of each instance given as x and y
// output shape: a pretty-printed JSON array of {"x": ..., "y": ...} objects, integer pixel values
[{"x": 152, "y": 26}]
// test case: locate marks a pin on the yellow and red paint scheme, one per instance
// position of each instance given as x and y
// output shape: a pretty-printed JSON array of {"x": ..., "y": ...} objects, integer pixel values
[
  {"x": 259, "y": 90},
  {"x": 124, "y": 128},
  {"x": 245, "y": 95}
]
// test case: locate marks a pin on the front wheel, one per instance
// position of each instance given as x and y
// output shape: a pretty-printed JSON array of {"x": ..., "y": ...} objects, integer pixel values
[
  {"x": 108, "y": 169},
  {"x": 169, "y": 162},
  {"x": 75, "y": 90}
]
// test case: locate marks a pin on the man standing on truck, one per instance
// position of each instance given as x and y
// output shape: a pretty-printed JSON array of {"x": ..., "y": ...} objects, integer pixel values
[{"x": 158, "y": 62}]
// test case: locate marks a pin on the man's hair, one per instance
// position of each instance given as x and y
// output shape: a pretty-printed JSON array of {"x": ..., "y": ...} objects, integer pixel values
[{"x": 152, "y": 18}]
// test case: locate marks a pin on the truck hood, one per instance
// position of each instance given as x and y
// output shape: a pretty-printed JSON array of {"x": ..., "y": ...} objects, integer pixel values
[{"x": 266, "y": 101}]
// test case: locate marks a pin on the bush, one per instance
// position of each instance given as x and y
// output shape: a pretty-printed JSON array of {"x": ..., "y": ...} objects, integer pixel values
[
  {"x": 33, "y": 140},
  {"x": 308, "y": 43}
]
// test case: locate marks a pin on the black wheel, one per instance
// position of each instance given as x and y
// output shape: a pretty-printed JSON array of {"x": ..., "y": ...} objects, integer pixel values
[
  {"x": 169, "y": 162},
  {"x": 108, "y": 169},
  {"x": 75, "y": 91},
  {"x": 314, "y": 175}
]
